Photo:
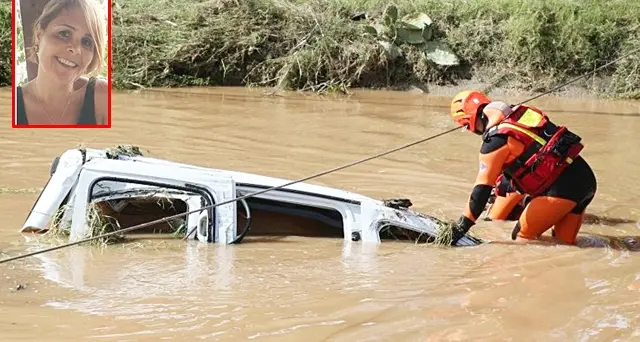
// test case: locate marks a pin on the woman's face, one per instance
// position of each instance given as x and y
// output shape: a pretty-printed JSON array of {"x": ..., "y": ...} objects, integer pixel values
[{"x": 66, "y": 47}]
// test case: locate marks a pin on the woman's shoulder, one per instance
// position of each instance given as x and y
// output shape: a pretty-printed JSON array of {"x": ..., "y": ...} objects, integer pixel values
[
  {"x": 84, "y": 81},
  {"x": 25, "y": 86},
  {"x": 101, "y": 85},
  {"x": 24, "y": 90}
]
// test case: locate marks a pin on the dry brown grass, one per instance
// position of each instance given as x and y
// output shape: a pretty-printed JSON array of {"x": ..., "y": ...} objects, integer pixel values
[{"x": 103, "y": 220}]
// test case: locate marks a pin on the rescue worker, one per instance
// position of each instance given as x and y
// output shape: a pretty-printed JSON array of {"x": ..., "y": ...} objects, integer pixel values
[{"x": 524, "y": 154}]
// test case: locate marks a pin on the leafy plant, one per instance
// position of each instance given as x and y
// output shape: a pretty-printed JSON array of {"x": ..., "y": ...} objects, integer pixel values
[
  {"x": 412, "y": 29},
  {"x": 5, "y": 48}
]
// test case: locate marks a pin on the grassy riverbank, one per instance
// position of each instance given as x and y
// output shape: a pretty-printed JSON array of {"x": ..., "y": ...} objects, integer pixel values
[
  {"x": 315, "y": 45},
  {"x": 5, "y": 43}
]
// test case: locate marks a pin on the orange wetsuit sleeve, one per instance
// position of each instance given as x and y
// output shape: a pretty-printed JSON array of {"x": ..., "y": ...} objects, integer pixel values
[{"x": 493, "y": 156}]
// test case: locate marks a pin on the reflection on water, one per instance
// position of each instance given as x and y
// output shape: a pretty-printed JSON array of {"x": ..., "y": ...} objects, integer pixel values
[{"x": 326, "y": 289}]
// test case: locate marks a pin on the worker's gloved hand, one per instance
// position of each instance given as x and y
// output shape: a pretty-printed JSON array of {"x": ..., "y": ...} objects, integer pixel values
[{"x": 459, "y": 228}]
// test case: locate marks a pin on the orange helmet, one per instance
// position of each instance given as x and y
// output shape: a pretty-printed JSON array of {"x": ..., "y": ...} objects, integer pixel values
[{"x": 465, "y": 107}]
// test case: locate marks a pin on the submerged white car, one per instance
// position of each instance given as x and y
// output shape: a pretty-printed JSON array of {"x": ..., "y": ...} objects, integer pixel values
[{"x": 129, "y": 189}]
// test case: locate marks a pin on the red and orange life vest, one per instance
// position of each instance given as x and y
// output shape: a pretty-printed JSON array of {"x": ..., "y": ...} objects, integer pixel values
[{"x": 548, "y": 151}]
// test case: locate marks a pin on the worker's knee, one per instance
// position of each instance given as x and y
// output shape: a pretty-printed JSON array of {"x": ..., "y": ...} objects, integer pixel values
[
  {"x": 526, "y": 232},
  {"x": 540, "y": 215}
]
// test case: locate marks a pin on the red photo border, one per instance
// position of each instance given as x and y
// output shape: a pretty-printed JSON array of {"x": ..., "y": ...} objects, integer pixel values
[{"x": 14, "y": 76}]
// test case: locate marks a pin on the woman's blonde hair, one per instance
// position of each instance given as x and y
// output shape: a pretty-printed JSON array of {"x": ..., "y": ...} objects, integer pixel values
[{"x": 93, "y": 17}]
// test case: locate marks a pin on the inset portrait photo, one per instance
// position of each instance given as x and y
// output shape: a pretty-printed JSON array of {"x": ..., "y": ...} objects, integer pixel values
[{"x": 61, "y": 64}]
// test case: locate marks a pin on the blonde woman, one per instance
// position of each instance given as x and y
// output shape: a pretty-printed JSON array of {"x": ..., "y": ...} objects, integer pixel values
[{"x": 68, "y": 42}]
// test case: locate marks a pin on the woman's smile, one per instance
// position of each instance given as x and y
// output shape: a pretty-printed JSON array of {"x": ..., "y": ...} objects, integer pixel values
[{"x": 66, "y": 63}]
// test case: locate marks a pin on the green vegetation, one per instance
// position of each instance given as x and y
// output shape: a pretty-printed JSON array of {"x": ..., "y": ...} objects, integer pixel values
[
  {"x": 317, "y": 45},
  {"x": 5, "y": 43}
]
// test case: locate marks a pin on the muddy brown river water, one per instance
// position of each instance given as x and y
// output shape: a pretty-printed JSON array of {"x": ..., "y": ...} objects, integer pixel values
[{"x": 306, "y": 289}]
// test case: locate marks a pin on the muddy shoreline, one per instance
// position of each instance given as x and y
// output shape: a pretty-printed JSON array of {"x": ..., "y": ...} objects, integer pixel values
[{"x": 570, "y": 92}]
